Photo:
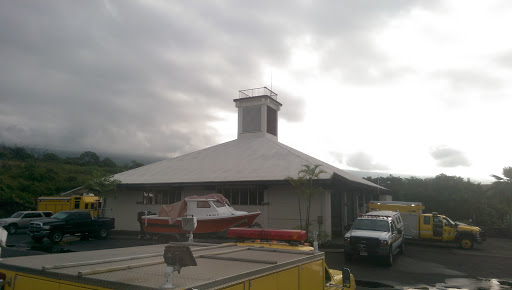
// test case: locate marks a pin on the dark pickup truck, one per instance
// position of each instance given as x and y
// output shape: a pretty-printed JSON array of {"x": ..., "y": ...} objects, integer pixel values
[{"x": 71, "y": 222}]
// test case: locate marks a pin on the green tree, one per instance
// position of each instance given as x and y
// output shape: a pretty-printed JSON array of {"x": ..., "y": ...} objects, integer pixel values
[
  {"x": 24, "y": 178},
  {"x": 49, "y": 157},
  {"x": 502, "y": 187},
  {"x": 3, "y": 153},
  {"x": 299, "y": 185},
  {"x": 306, "y": 189},
  {"x": 20, "y": 153},
  {"x": 107, "y": 162},
  {"x": 104, "y": 186},
  {"x": 451, "y": 195},
  {"x": 89, "y": 158},
  {"x": 132, "y": 165},
  {"x": 394, "y": 183}
]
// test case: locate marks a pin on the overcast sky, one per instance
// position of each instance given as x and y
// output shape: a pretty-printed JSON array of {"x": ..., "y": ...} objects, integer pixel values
[{"x": 403, "y": 87}]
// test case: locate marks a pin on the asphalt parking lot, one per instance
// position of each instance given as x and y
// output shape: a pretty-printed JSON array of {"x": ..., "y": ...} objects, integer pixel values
[
  {"x": 435, "y": 266},
  {"x": 424, "y": 266}
]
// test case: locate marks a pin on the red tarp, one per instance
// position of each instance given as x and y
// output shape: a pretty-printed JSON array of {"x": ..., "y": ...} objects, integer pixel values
[{"x": 174, "y": 210}]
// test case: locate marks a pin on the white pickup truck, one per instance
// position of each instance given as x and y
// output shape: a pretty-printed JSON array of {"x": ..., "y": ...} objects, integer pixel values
[{"x": 378, "y": 233}]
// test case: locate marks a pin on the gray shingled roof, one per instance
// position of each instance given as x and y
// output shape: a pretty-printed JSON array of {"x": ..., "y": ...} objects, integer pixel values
[{"x": 249, "y": 158}]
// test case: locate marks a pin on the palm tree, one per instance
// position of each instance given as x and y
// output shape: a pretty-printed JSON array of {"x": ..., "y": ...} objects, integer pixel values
[
  {"x": 503, "y": 185},
  {"x": 299, "y": 184},
  {"x": 305, "y": 189}
]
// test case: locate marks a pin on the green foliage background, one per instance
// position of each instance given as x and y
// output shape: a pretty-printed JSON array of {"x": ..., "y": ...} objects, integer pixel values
[
  {"x": 25, "y": 176},
  {"x": 459, "y": 199}
]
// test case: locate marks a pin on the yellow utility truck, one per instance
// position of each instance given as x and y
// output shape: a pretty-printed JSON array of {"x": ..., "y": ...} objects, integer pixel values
[
  {"x": 431, "y": 226},
  {"x": 57, "y": 204},
  {"x": 176, "y": 266}
]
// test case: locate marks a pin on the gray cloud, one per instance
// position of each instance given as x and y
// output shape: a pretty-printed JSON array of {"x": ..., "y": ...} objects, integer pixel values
[
  {"x": 364, "y": 161},
  {"x": 136, "y": 77},
  {"x": 338, "y": 157},
  {"x": 448, "y": 157},
  {"x": 466, "y": 79}
]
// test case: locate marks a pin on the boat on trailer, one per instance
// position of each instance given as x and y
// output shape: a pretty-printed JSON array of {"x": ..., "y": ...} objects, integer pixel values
[{"x": 213, "y": 213}]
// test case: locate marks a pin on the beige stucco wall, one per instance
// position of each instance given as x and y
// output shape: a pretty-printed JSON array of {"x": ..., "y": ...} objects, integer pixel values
[
  {"x": 283, "y": 210},
  {"x": 124, "y": 209}
]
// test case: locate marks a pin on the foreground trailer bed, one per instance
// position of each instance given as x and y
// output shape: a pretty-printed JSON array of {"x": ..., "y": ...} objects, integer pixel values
[{"x": 218, "y": 266}]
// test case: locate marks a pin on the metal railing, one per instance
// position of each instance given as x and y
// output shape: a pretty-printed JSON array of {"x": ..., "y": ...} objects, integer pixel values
[{"x": 263, "y": 91}]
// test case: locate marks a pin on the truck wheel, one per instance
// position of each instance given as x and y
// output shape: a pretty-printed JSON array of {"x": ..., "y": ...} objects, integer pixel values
[
  {"x": 466, "y": 243},
  {"x": 12, "y": 229},
  {"x": 37, "y": 239},
  {"x": 103, "y": 234},
  {"x": 389, "y": 258},
  {"x": 55, "y": 237}
]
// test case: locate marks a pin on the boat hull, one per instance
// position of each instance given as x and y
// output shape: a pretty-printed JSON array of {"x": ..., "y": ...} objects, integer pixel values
[{"x": 155, "y": 224}]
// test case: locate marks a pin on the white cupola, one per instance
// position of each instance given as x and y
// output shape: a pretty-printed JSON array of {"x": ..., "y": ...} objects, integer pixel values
[{"x": 257, "y": 112}]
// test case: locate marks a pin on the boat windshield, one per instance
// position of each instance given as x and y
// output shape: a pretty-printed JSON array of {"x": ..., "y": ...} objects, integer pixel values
[
  {"x": 218, "y": 204},
  {"x": 371, "y": 225},
  {"x": 203, "y": 204}
]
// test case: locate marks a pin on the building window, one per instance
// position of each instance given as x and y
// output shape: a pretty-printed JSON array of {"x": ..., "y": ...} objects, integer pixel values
[
  {"x": 161, "y": 197},
  {"x": 251, "y": 119},
  {"x": 271, "y": 121},
  {"x": 247, "y": 195}
]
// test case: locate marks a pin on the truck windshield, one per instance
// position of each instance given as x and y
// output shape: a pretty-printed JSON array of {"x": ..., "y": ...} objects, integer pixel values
[
  {"x": 371, "y": 225},
  {"x": 448, "y": 221},
  {"x": 17, "y": 214},
  {"x": 60, "y": 216}
]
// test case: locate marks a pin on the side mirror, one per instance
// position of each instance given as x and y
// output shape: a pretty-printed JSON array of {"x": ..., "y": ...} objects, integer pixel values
[
  {"x": 348, "y": 227},
  {"x": 399, "y": 231},
  {"x": 346, "y": 277}
]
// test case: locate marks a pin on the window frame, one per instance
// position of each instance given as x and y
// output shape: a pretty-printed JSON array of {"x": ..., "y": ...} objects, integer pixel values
[
  {"x": 161, "y": 197},
  {"x": 248, "y": 195}
]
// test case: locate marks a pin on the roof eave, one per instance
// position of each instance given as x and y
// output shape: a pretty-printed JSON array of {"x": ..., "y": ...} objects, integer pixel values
[{"x": 336, "y": 176}]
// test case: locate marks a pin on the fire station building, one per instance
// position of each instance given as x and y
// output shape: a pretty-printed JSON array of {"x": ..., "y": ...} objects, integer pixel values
[{"x": 250, "y": 172}]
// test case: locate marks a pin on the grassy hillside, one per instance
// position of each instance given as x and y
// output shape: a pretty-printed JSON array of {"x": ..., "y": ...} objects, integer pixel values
[{"x": 24, "y": 177}]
